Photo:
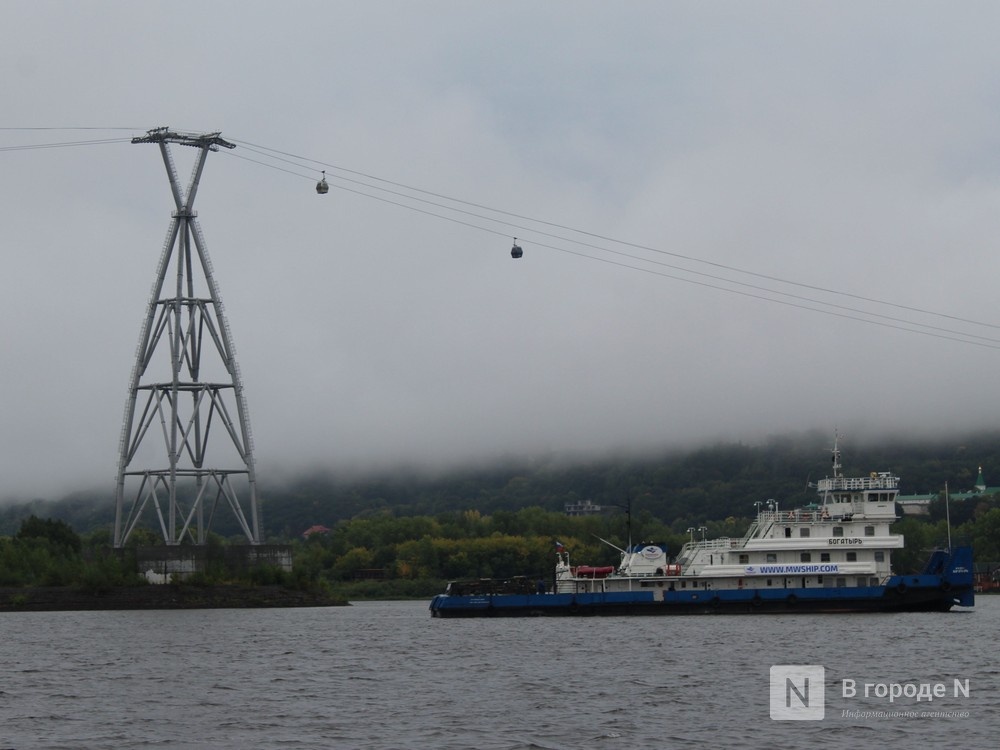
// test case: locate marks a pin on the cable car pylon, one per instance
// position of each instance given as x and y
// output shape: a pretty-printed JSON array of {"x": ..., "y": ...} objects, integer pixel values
[{"x": 184, "y": 383}]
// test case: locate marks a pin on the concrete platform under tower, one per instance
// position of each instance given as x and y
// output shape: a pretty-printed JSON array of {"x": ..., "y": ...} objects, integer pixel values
[{"x": 161, "y": 563}]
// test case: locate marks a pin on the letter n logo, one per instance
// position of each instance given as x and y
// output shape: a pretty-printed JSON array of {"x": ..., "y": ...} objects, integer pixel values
[{"x": 797, "y": 692}]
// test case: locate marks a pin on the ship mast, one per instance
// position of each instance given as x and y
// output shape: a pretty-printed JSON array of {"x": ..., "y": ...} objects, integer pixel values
[{"x": 947, "y": 514}]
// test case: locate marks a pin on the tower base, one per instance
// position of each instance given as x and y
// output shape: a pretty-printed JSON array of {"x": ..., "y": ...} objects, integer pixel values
[{"x": 162, "y": 563}]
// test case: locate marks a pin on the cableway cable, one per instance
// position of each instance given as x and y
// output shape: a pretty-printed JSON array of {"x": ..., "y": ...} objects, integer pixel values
[
  {"x": 605, "y": 238},
  {"x": 66, "y": 144},
  {"x": 888, "y": 320},
  {"x": 708, "y": 280}
]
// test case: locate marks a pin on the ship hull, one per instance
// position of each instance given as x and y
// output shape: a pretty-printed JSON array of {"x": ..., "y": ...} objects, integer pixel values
[{"x": 910, "y": 595}]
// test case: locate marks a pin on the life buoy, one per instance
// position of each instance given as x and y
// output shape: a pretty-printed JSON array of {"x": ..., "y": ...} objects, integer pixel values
[
  {"x": 756, "y": 600},
  {"x": 946, "y": 585},
  {"x": 792, "y": 599},
  {"x": 715, "y": 602},
  {"x": 901, "y": 589}
]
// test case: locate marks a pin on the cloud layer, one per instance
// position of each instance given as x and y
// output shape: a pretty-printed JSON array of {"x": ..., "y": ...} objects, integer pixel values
[{"x": 846, "y": 148}]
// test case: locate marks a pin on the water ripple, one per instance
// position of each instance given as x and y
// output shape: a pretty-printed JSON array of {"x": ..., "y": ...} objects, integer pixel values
[{"x": 385, "y": 676}]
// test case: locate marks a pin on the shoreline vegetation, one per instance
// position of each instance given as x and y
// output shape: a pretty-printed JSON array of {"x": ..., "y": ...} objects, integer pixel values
[
  {"x": 46, "y": 566},
  {"x": 404, "y": 537}
]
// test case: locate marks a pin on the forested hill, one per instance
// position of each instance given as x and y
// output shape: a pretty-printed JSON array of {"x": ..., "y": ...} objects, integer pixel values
[{"x": 679, "y": 488}]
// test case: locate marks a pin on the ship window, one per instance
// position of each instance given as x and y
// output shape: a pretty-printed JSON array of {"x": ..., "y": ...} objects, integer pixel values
[
  {"x": 819, "y": 579},
  {"x": 880, "y": 556},
  {"x": 804, "y": 531},
  {"x": 744, "y": 559},
  {"x": 684, "y": 584},
  {"x": 805, "y": 557},
  {"x": 772, "y": 557},
  {"x": 788, "y": 532},
  {"x": 768, "y": 581},
  {"x": 824, "y": 557},
  {"x": 869, "y": 531},
  {"x": 873, "y": 581},
  {"x": 841, "y": 583},
  {"x": 838, "y": 530},
  {"x": 852, "y": 557},
  {"x": 862, "y": 581}
]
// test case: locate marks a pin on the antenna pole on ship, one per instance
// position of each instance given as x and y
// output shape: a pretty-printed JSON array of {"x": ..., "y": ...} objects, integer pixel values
[
  {"x": 628, "y": 518},
  {"x": 947, "y": 514},
  {"x": 836, "y": 455}
]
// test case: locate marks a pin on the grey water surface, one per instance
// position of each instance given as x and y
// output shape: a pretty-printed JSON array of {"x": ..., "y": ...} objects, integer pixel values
[{"x": 386, "y": 675}]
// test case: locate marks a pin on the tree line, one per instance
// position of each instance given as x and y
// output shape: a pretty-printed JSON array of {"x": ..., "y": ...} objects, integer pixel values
[
  {"x": 387, "y": 554},
  {"x": 48, "y": 552},
  {"x": 503, "y": 520}
]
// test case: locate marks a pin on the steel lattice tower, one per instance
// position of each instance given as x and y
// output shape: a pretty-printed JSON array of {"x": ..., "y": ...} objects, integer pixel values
[{"x": 185, "y": 382}]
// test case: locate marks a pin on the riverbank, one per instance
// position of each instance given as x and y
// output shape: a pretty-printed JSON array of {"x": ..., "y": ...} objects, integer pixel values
[{"x": 60, "y": 599}]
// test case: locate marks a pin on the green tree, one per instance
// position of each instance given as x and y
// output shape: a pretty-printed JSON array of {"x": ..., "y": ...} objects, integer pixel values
[
  {"x": 986, "y": 537},
  {"x": 357, "y": 558},
  {"x": 59, "y": 533}
]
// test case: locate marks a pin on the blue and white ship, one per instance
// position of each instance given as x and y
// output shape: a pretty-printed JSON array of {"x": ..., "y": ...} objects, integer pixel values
[{"x": 831, "y": 556}]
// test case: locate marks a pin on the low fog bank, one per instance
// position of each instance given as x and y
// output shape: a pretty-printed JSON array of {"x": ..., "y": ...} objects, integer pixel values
[{"x": 861, "y": 449}]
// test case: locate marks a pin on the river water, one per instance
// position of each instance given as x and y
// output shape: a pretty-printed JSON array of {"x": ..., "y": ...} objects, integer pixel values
[{"x": 387, "y": 676}]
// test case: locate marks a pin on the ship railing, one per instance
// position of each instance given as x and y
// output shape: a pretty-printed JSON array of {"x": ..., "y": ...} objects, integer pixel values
[
  {"x": 721, "y": 543},
  {"x": 877, "y": 481},
  {"x": 783, "y": 516}
]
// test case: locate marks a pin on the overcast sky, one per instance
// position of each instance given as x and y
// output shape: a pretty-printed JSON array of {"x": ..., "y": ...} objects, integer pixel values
[{"x": 845, "y": 147}]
